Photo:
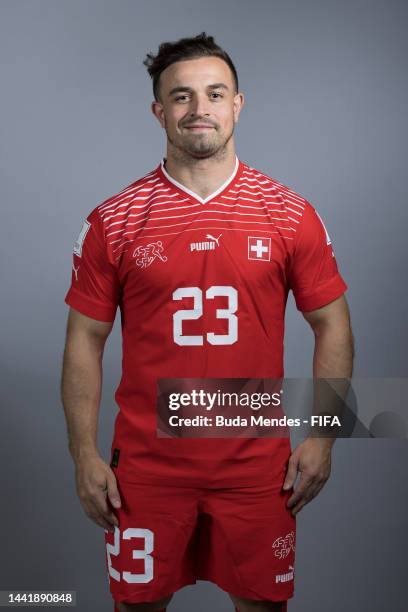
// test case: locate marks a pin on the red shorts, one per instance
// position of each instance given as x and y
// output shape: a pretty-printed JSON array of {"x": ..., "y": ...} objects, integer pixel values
[{"x": 241, "y": 539}]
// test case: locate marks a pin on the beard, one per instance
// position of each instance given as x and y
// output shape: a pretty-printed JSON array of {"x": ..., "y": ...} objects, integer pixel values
[{"x": 200, "y": 145}]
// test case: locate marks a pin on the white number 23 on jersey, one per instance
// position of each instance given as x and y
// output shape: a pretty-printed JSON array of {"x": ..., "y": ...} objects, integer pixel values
[{"x": 197, "y": 311}]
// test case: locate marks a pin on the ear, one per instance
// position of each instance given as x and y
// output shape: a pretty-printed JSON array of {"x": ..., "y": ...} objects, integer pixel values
[
  {"x": 237, "y": 105},
  {"x": 158, "y": 112}
]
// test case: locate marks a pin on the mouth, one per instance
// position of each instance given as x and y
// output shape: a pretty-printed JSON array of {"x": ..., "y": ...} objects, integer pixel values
[{"x": 199, "y": 127}]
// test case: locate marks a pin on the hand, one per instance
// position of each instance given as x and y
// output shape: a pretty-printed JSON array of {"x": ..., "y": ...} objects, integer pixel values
[
  {"x": 312, "y": 458},
  {"x": 96, "y": 484}
]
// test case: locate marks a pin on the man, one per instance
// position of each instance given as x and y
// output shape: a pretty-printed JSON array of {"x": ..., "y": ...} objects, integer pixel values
[{"x": 200, "y": 255}]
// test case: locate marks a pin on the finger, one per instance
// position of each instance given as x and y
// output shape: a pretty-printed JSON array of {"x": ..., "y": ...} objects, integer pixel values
[
  {"x": 104, "y": 518},
  {"x": 305, "y": 500},
  {"x": 291, "y": 472},
  {"x": 92, "y": 513},
  {"x": 318, "y": 488},
  {"x": 112, "y": 518},
  {"x": 108, "y": 513},
  {"x": 99, "y": 502},
  {"x": 298, "y": 508},
  {"x": 305, "y": 482},
  {"x": 99, "y": 520},
  {"x": 302, "y": 502},
  {"x": 310, "y": 494},
  {"x": 112, "y": 490}
]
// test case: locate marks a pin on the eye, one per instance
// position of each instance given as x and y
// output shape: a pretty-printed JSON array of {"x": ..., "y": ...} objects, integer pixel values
[{"x": 214, "y": 93}]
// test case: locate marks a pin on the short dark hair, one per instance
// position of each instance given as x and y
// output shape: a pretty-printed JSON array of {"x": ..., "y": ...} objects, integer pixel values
[{"x": 185, "y": 49}]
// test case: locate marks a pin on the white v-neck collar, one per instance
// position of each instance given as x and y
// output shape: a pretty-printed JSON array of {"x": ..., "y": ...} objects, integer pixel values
[{"x": 195, "y": 195}]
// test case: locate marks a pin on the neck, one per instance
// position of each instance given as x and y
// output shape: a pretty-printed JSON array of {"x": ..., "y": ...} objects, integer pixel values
[{"x": 202, "y": 176}]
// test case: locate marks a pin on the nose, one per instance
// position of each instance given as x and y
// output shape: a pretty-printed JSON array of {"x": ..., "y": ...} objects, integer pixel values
[{"x": 199, "y": 106}]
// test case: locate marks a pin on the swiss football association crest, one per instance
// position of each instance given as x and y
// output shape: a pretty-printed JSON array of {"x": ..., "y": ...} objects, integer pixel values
[
  {"x": 284, "y": 545},
  {"x": 148, "y": 253},
  {"x": 259, "y": 248}
]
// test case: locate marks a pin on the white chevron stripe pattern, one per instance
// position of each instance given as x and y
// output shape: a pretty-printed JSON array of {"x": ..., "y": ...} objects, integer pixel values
[{"x": 152, "y": 207}]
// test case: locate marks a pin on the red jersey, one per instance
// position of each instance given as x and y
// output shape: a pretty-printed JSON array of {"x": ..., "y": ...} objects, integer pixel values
[{"x": 202, "y": 286}]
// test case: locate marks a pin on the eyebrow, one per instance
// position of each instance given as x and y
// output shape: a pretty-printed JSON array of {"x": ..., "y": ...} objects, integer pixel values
[{"x": 189, "y": 89}]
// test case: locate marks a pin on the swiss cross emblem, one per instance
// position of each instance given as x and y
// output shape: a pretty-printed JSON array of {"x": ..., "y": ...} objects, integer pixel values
[{"x": 259, "y": 248}]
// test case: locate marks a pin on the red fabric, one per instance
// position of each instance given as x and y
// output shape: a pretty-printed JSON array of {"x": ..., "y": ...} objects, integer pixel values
[
  {"x": 116, "y": 609},
  {"x": 241, "y": 539},
  {"x": 314, "y": 276},
  {"x": 202, "y": 290},
  {"x": 284, "y": 607}
]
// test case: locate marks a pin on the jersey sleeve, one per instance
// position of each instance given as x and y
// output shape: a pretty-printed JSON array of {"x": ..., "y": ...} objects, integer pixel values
[
  {"x": 95, "y": 286},
  {"x": 314, "y": 277}
]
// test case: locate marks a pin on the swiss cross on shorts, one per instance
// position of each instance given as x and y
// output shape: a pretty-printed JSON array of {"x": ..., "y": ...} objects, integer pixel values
[{"x": 259, "y": 248}]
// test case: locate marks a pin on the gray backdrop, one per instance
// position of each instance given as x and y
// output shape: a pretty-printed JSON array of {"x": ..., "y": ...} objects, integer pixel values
[{"x": 326, "y": 114}]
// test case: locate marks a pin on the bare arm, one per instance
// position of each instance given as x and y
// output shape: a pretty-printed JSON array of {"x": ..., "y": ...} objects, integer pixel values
[
  {"x": 81, "y": 381},
  {"x": 333, "y": 358},
  {"x": 81, "y": 386},
  {"x": 334, "y": 344}
]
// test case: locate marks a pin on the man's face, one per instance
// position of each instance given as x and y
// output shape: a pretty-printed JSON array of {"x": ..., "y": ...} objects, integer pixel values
[{"x": 198, "y": 106}]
